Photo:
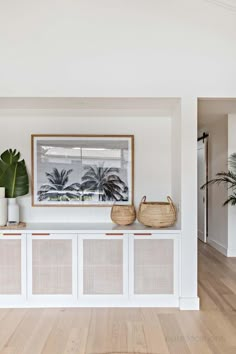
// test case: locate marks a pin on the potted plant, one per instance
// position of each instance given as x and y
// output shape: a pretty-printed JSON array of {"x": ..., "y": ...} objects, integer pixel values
[
  {"x": 14, "y": 178},
  {"x": 228, "y": 178}
]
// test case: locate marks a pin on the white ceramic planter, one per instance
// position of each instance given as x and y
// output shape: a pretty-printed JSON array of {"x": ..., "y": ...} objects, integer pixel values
[
  {"x": 13, "y": 211},
  {"x": 3, "y": 211}
]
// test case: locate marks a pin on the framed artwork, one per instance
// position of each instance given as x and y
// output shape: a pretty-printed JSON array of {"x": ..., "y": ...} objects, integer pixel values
[{"x": 82, "y": 170}]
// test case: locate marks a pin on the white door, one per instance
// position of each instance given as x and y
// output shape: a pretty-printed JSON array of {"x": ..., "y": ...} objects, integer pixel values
[{"x": 202, "y": 194}]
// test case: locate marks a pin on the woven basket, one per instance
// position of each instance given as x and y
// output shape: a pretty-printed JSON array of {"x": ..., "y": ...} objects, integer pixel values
[
  {"x": 157, "y": 214},
  {"x": 123, "y": 214}
]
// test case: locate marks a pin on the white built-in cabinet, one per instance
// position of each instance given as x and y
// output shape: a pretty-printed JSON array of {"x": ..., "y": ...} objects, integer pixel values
[{"x": 82, "y": 268}]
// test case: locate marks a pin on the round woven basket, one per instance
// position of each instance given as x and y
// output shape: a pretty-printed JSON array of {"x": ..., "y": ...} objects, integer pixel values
[
  {"x": 157, "y": 214},
  {"x": 123, "y": 214}
]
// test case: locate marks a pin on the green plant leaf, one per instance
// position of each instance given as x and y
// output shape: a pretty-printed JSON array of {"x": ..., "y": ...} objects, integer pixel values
[
  {"x": 232, "y": 162},
  {"x": 10, "y": 156},
  {"x": 226, "y": 178},
  {"x": 13, "y": 174}
]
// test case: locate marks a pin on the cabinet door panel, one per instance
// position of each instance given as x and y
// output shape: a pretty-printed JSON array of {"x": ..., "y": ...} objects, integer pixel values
[
  {"x": 10, "y": 267},
  {"x": 153, "y": 266},
  {"x": 51, "y": 267},
  {"x": 102, "y": 267}
]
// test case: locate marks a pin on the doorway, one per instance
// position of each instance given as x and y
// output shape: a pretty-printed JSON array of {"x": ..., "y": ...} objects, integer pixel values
[{"x": 202, "y": 159}]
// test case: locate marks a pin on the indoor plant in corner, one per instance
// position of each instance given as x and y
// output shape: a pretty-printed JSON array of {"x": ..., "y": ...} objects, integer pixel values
[
  {"x": 14, "y": 178},
  {"x": 228, "y": 178}
]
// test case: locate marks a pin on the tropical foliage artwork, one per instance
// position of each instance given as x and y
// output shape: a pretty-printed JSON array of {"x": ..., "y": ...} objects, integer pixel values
[
  {"x": 79, "y": 171},
  {"x": 57, "y": 187},
  {"x": 100, "y": 181}
]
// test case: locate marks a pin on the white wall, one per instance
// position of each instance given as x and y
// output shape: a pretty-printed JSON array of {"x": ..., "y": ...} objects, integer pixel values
[
  {"x": 152, "y": 153},
  {"x": 117, "y": 48},
  {"x": 134, "y": 48},
  {"x": 231, "y": 209},
  {"x": 127, "y": 48}
]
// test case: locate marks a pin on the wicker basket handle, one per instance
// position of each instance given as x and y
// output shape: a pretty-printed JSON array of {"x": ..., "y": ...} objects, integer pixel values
[
  {"x": 169, "y": 200},
  {"x": 172, "y": 206},
  {"x": 140, "y": 204},
  {"x": 143, "y": 200}
]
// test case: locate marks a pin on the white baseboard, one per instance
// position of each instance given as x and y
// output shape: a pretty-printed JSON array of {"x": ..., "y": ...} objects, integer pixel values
[
  {"x": 219, "y": 247},
  {"x": 144, "y": 302},
  {"x": 189, "y": 303},
  {"x": 231, "y": 253}
]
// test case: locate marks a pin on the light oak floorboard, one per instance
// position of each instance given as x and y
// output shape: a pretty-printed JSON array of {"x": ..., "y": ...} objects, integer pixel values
[
  {"x": 9, "y": 325},
  {"x": 212, "y": 330}
]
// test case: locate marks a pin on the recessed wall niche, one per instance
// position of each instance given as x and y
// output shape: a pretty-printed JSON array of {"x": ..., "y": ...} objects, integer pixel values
[{"x": 154, "y": 122}]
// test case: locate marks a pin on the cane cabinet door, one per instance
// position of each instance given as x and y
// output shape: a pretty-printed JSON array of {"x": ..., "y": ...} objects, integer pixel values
[
  {"x": 12, "y": 268},
  {"x": 153, "y": 265},
  {"x": 103, "y": 266},
  {"x": 52, "y": 267}
]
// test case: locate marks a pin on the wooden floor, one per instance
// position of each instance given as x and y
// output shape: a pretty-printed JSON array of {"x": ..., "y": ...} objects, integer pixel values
[{"x": 149, "y": 331}]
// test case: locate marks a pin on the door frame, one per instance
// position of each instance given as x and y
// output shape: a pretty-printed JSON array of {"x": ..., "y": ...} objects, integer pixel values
[{"x": 205, "y": 139}]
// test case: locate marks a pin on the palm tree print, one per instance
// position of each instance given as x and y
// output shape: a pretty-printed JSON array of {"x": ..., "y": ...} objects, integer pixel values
[
  {"x": 58, "y": 189},
  {"x": 105, "y": 182}
]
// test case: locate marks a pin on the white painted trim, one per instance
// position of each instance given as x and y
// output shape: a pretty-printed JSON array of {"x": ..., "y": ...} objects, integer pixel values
[
  {"x": 51, "y": 301},
  {"x": 92, "y": 301},
  {"x": 176, "y": 266},
  {"x": 200, "y": 235},
  {"x": 12, "y": 301},
  {"x": 80, "y": 268},
  {"x": 189, "y": 303},
  {"x": 23, "y": 267},
  {"x": 29, "y": 267},
  {"x": 126, "y": 266},
  {"x": 91, "y": 228},
  {"x": 223, "y": 250},
  {"x": 135, "y": 301},
  {"x": 231, "y": 253},
  {"x": 131, "y": 266},
  {"x": 219, "y": 247},
  {"x": 74, "y": 239}
]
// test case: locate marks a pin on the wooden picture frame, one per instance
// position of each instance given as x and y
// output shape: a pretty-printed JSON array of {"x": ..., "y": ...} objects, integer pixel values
[{"x": 82, "y": 170}]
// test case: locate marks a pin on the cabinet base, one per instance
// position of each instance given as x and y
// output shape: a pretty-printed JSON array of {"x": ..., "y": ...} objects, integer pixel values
[
  {"x": 189, "y": 303},
  {"x": 136, "y": 301}
]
